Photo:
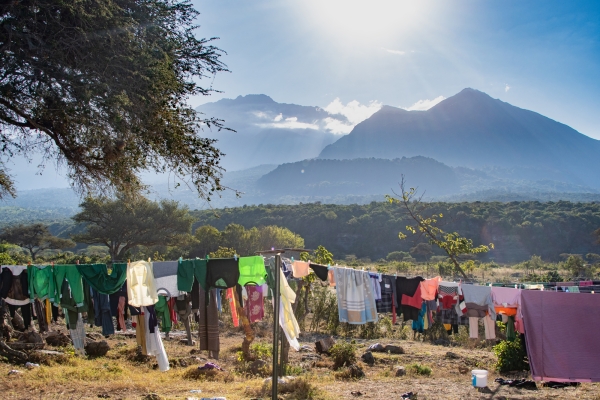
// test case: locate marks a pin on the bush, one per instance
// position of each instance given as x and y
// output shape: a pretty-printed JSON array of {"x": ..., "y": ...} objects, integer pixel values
[
  {"x": 511, "y": 356},
  {"x": 343, "y": 354},
  {"x": 397, "y": 255},
  {"x": 419, "y": 369}
]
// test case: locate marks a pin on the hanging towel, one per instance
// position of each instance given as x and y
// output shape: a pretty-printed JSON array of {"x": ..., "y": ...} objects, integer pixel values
[
  {"x": 141, "y": 290},
  {"x": 99, "y": 279},
  {"x": 300, "y": 269},
  {"x": 356, "y": 301}
]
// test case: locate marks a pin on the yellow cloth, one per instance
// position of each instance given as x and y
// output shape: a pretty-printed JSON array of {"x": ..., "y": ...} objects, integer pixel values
[
  {"x": 447, "y": 327},
  {"x": 48, "y": 312},
  {"x": 287, "y": 319},
  {"x": 141, "y": 290}
]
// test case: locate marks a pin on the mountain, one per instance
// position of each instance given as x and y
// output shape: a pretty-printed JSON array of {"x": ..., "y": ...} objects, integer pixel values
[
  {"x": 360, "y": 177},
  {"x": 268, "y": 132},
  {"x": 473, "y": 130}
]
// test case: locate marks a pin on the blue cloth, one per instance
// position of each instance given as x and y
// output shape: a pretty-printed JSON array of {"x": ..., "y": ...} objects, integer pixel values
[
  {"x": 102, "y": 313},
  {"x": 419, "y": 324},
  {"x": 219, "y": 305}
]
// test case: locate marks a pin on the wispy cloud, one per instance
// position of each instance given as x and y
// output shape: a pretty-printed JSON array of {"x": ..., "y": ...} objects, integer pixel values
[
  {"x": 506, "y": 87},
  {"x": 399, "y": 52},
  {"x": 289, "y": 123},
  {"x": 423, "y": 105}
]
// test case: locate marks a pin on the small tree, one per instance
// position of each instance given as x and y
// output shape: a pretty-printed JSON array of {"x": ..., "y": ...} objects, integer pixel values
[
  {"x": 452, "y": 244},
  {"x": 422, "y": 251},
  {"x": 121, "y": 226},
  {"x": 35, "y": 238}
]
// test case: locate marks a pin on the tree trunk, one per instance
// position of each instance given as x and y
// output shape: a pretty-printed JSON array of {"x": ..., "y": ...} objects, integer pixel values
[{"x": 246, "y": 326}]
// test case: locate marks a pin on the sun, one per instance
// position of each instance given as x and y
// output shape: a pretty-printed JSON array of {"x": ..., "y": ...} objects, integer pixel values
[{"x": 355, "y": 21}]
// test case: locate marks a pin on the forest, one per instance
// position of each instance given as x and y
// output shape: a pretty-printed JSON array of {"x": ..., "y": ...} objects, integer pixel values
[{"x": 518, "y": 230}]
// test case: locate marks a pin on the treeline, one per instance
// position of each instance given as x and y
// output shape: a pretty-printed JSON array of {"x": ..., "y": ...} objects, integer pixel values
[{"x": 518, "y": 230}]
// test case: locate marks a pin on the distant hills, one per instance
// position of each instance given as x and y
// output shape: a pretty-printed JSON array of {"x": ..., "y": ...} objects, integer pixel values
[
  {"x": 268, "y": 132},
  {"x": 473, "y": 130}
]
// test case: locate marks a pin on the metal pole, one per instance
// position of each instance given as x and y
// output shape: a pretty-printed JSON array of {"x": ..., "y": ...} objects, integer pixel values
[{"x": 275, "y": 375}]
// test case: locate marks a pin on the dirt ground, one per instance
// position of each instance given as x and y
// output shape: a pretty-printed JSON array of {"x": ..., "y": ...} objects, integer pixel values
[{"x": 119, "y": 376}]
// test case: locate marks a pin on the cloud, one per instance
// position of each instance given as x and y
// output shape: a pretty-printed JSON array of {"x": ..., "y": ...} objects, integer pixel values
[
  {"x": 399, "y": 52},
  {"x": 354, "y": 113},
  {"x": 506, "y": 87},
  {"x": 423, "y": 105},
  {"x": 289, "y": 123},
  {"x": 260, "y": 114}
]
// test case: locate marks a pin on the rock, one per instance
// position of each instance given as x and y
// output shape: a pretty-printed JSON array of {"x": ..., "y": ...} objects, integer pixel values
[
  {"x": 452, "y": 356},
  {"x": 50, "y": 352},
  {"x": 18, "y": 323},
  {"x": 400, "y": 370},
  {"x": 368, "y": 358},
  {"x": 324, "y": 345},
  {"x": 310, "y": 357},
  {"x": 152, "y": 396},
  {"x": 58, "y": 339},
  {"x": 29, "y": 365},
  {"x": 183, "y": 363},
  {"x": 97, "y": 349},
  {"x": 377, "y": 347},
  {"x": 356, "y": 371},
  {"x": 258, "y": 367},
  {"x": 185, "y": 342},
  {"x": 463, "y": 370},
  {"x": 390, "y": 348},
  {"x": 441, "y": 342},
  {"x": 93, "y": 335},
  {"x": 31, "y": 337}
]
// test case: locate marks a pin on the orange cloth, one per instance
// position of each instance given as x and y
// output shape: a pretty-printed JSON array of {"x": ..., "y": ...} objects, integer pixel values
[
  {"x": 509, "y": 312},
  {"x": 331, "y": 278},
  {"x": 300, "y": 269},
  {"x": 232, "y": 306},
  {"x": 429, "y": 287}
]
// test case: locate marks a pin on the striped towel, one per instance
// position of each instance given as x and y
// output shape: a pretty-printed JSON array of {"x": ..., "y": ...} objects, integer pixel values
[{"x": 356, "y": 301}]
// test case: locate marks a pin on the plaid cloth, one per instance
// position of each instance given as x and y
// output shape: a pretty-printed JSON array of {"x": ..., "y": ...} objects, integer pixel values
[
  {"x": 451, "y": 317},
  {"x": 385, "y": 304}
]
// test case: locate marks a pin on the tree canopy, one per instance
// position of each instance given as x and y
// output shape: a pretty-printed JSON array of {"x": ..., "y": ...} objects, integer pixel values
[
  {"x": 34, "y": 238},
  {"x": 121, "y": 225},
  {"x": 101, "y": 87}
]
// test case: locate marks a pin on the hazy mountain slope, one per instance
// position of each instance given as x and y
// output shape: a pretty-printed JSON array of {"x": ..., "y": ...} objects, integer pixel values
[
  {"x": 268, "y": 132},
  {"x": 473, "y": 130},
  {"x": 360, "y": 177}
]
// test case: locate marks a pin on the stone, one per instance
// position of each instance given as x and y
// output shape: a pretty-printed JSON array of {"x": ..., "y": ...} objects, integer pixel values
[
  {"x": 258, "y": 367},
  {"x": 185, "y": 342},
  {"x": 452, "y": 356},
  {"x": 400, "y": 370},
  {"x": 58, "y": 339},
  {"x": 310, "y": 357},
  {"x": 390, "y": 348},
  {"x": 356, "y": 371},
  {"x": 97, "y": 349},
  {"x": 377, "y": 347},
  {"x": 462, "y": 369},
  {"x": 368, "y": 358},
  {"x": 31, "y": 337},
  {"x": 324, "y": 345}
]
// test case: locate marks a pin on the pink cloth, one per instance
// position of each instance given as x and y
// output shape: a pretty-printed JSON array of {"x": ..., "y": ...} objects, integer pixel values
[
  {"x": 300, "y": 269},
  {"x": 562, "y": 335},
  {"x": 429, "y": 288},
  {"x": 585, "y": 283},
  {"x": 254, "y": 305},
  {"x": 506, "y": 297}
]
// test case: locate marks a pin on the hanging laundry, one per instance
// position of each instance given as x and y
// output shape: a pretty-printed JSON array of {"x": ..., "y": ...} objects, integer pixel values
[
  {"x": 208, "y": 324},
  {"x": 408, "y": 291},
  {"x": 418, "y": 324},
  {"x": 165, "y": 278},
  {"x": 384, "y": 305},
  {"x": 300, "y": 269},
  {"x": 254, "y": 305},
  {"x": 141, "y": 290},
  {"x": 222, "y": 273},
  {"x": 287, "y": 319},
  {"x": 479, "y": 304},
  {"x": 118, "y": 301},
  {"x": 232, "y": 307},
  {"x": 429, "y": 288},
  {"x": 78, "y": 335},
  {"x": 321, "y": 271},
  {"x": 356, "y": 301},
  {"x": 172, "y": 309},
  {"x": 39, "y": 277},
  {"x": 100, "y": 280},
  {"x": 331, "y": 277},
  {"x": 103, "y": 317},
  {"x": 154, "y": 345},
  {"x": 565, "y": 348},
  {"x": 14, "y": 285},
  {"x": 162, "y": 311},
  {"x": 189, "y": 271},
  {"x": 376, "y": 284},
  {"x": 70, "y": 274},
  {"x": 252, "y": 269},
  {"x": 25, "y": 313}
]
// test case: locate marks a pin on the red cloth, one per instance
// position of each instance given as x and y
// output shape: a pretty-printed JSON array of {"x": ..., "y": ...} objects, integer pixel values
[
  {"x": 414, "y": 301},
  {"x": 232, "y": 307},
  {"x": 172, "y": 313},
  {"x": 561, "y": 330},
  {"x": 448, "y": 301},
  {"x": 254, "y": 305}
]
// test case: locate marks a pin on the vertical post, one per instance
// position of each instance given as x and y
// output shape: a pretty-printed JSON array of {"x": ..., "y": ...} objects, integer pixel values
[{"x": 275, "y": 375}]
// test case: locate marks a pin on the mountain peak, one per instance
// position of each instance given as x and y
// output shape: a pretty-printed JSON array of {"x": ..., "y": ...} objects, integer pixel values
[{"x": 254, "y": 99}]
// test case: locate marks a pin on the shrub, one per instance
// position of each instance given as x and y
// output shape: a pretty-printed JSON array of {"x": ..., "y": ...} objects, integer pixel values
[
  {"x": 343, "y": 354},
  {"x": 419, "y": 369},
  {"x": 511, "y": 356}
]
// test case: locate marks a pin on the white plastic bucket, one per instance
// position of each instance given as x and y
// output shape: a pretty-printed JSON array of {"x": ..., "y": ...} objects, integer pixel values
[{"x": 479, "y": 377}]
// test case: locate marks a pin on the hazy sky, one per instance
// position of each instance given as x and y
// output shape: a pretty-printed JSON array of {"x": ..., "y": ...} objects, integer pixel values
[{"x": 539, "y": 55}]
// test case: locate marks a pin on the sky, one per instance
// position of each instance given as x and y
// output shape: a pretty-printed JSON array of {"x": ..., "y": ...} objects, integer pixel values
[
  {"x": 356, "y": 55},
  {"x": 351, "y": 57}
]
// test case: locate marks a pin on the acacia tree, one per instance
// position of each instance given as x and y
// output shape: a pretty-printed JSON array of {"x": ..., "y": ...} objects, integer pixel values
[
  {"x": 122, "y": 225},
  {"x": 452, "y": 244},
  {"x": 34, "y": 238},
  {"x": 101, "y": 87}
]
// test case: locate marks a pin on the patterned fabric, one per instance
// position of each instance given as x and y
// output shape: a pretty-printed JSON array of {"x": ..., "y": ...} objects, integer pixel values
[
  {"x": 254, "y": 305},
  {"x": 208, "y": 326},
  {"x": 78, "y": 336},
  {"x": 451, "y": 317},
  {"x": 385, "y": 304}
]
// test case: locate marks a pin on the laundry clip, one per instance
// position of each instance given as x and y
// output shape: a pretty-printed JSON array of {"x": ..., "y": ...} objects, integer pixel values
[
  {"x": 292, "y": 259},
  {"x": 180, "y": 259},
  {"x": 235, "y": 257}
]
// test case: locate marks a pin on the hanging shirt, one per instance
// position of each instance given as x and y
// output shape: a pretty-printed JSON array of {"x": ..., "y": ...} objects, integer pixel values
[
  {"x": 252, "y": 269},
  {"x": 141, "y": 290},
  {"x": 222, "y": 273},
  {"x": 165, "y": 278},
  {"x": 481, "y": 295},
  {"x": 99, "y": 279},
  {"x": 39, "y": 278},
  {"x": 429, "y": 288},
  {"x": 14, "y": 285}
]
